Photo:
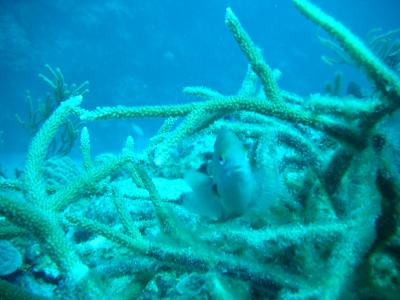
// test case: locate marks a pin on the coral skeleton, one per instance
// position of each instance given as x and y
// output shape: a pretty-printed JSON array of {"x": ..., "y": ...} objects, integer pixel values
[{"x": 116, "y": 228}]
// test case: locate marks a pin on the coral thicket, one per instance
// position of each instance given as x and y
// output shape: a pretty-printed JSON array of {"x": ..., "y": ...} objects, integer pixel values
[{"x": 115, "y": 227}]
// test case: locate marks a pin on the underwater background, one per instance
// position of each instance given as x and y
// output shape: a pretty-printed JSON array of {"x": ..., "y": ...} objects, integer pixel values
[{"x": 143, "y": 53}]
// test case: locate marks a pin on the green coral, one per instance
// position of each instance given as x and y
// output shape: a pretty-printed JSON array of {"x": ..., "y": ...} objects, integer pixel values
[
  {"x": 326, "y": 228},
  {"x": 384, "y": 78},
  {"x": 39, "y": 112}
]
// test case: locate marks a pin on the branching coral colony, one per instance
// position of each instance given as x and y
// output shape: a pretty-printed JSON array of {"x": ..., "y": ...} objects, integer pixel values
[{"x": 333, "y": 234}]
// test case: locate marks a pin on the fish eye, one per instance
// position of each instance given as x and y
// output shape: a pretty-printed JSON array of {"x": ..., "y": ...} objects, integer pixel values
[{"x": 221, "y": 160}]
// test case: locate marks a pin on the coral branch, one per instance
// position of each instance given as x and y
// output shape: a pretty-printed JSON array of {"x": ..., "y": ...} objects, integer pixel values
[{"x": 384, "y": 78}]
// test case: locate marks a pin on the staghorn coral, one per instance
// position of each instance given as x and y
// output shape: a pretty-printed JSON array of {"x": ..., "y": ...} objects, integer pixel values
[
  {"x": 39, "y": 112},
  {"x": 384, "y": 45},
  {"x": 338, "y": 217}
]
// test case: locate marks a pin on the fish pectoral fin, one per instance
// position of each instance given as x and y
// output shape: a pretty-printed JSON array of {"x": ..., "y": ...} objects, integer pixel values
[
  {"x": 203, "y": 199},
  {"x": 197, "y": 179}
]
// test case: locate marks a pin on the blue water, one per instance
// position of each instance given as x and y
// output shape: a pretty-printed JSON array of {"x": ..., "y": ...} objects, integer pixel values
[{"x": 144, "y": 52}]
